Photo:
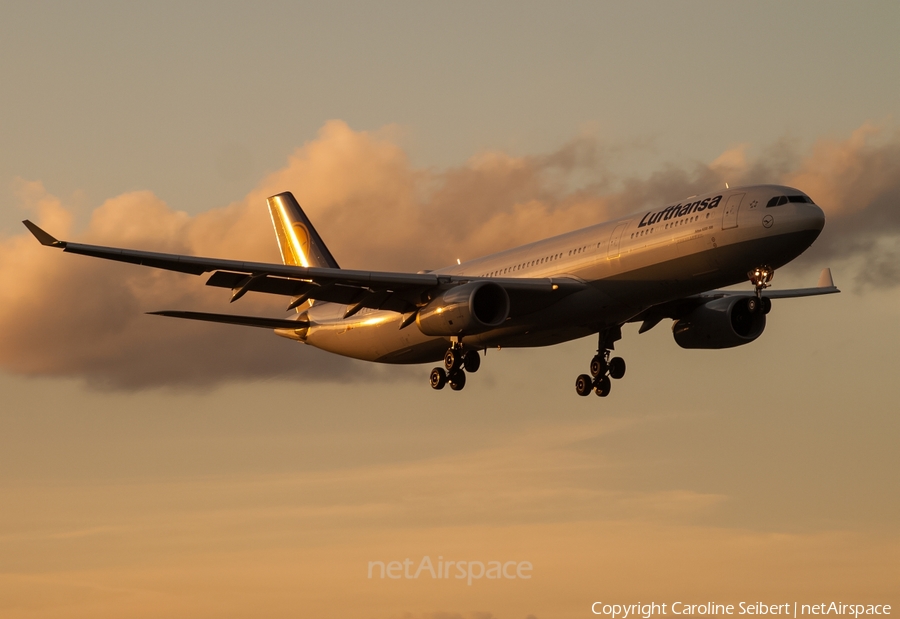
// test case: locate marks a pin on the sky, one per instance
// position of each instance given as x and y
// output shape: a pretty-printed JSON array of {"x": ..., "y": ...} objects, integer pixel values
[{"x": 152, "y": 467}]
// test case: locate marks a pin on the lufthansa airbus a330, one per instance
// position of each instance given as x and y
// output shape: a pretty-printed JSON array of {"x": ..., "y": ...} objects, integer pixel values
[{"x": 666, "y": 263}]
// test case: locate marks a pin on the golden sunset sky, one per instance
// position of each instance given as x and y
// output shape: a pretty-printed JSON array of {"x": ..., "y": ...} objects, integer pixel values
[{"x": 160, "y": 468}]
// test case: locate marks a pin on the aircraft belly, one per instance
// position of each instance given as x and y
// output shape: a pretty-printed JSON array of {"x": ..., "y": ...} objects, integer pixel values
[
  {"x": 775, "y": 251},
  {"x": 683, "y": 275},
  {"x": 578, "y": 315},
  {"x": 375, "y": 336}
]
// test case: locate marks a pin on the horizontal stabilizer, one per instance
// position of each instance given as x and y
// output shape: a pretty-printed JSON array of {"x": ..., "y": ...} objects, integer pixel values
[{"x": 247, "y": 321}]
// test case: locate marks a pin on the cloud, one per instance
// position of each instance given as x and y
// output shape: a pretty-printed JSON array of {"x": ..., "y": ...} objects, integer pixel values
[
  {"x": 856, "y": 181},
  {"x": 80, "y": 317}
]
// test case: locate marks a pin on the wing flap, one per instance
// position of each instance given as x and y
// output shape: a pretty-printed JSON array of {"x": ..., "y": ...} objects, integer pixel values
[{"x": 272, "y": 285}]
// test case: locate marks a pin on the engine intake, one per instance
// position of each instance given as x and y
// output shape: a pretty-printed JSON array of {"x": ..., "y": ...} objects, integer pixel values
[
  {"x": 467, "y": 309},
  {"x": 722, "y": 323}
]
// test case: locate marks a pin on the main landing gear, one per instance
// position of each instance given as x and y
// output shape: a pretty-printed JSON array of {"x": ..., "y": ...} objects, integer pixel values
[
  {"x": 603, "y": 368},
  {"x": 457, "y": 362}
]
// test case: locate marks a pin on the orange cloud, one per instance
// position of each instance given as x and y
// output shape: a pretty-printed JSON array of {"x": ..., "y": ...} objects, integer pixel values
[
  {"x": 848, "y": 176},
  {"x": 81, "y": 317}
]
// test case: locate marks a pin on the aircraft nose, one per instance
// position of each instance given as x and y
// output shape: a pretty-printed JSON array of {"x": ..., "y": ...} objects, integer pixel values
[{"x": 814, "y": 217}]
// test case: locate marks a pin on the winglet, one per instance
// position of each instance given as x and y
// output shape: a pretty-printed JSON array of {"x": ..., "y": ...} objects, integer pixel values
[
  {"x": 825, "y": 279},
  {"x": 42, "y": 236}
]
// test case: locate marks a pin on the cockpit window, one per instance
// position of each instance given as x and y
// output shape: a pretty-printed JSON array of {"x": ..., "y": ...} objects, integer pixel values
[{"x": 779, "y": 200}]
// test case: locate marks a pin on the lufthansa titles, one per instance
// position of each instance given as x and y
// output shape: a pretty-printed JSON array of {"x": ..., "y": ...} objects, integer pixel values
[{"x": 679, "y": 210}]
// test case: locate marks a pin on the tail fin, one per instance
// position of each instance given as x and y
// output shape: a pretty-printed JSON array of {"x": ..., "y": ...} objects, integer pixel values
[{"x": 298, "y": 240}]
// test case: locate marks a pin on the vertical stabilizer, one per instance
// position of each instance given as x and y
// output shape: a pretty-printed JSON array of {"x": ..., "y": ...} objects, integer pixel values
[{"x": 298, "y": 240}]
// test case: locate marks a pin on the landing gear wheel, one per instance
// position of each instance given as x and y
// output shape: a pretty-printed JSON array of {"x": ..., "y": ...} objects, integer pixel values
[
  {"x": 438, "y": 378},
  {"x": 617, "y": 367},
  {"x": 603, "y": 368},
  {"x": 471, "y": 361},
  {"x": 765, "y": 305},
  {"x": 452, "y": 359},
  {"x": 752, "y": 305},
  {"x": 583, "y": 385},
  {"x": 598, "y": 366},
  {"x": 603, "y": 386},
  {"x": 457, "y": 380}
]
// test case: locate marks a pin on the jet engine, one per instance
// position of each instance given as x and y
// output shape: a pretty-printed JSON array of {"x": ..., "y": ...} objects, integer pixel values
[
  {"x": 722, "y": 323},
  {"x": 466, "y": 309}
]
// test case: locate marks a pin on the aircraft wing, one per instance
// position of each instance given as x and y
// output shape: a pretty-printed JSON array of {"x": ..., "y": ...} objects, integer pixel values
[
  {"x": 399, "y": 292},
  {"x": 825, "y": 285},
  {"x": 680, "y": 307}
]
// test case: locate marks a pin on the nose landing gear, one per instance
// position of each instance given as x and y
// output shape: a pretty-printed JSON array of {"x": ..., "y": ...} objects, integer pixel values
[
  {"x": 457, "y": 362},
  {"x": 760, "y": 278},
  {"x": 602, "y": 367}
]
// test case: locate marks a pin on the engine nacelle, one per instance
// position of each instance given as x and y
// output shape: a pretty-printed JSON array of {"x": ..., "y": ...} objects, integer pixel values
[
  {"x": 465, "y": 310},
  {"x": 722, "y": 323}
]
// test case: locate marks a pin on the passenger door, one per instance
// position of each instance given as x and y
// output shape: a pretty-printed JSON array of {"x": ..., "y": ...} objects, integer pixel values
[{"x": 730, "y": 219}]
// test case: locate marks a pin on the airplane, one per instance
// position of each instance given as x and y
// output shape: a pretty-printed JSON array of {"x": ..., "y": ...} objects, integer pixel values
[{"x": 665, "y": 263}]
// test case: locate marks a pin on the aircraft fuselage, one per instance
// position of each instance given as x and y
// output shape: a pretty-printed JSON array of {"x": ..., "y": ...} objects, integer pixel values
[{"x": 630, "y": 264}]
